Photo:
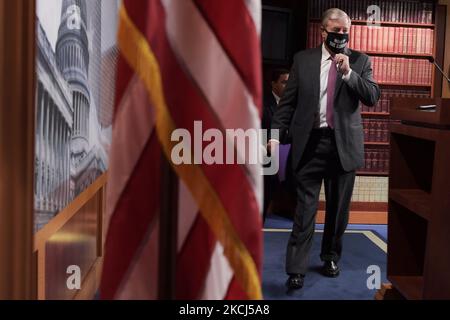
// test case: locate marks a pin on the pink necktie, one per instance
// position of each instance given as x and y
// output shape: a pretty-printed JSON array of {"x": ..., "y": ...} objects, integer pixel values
[{"x": 332, "y": 75}]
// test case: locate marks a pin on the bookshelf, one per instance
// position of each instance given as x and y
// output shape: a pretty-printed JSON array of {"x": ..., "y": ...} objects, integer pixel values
[
  {"x": 399, "y": 47},
  {"x": 419, "y": 223},
  {"x": 387, "y": 23},
  {"x": 387, "y": 12},
  {"x": 376, "y": 114}
]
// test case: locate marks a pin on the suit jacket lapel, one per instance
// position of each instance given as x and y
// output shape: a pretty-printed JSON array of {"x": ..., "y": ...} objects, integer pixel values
[
  {"x": 273, "y": 103},
  {"x": 315, "y": 72}
]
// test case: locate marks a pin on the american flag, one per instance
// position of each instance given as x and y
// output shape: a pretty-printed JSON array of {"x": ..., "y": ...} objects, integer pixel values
[{"x": 181, "y": 62}]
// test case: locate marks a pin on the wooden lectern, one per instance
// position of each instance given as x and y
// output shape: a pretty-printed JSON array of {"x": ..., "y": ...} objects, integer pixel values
[{"x": 419, "y": 199}]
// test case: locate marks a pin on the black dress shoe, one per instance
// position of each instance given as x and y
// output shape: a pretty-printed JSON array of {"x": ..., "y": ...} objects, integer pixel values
[
  {"x": 295, "y": 281},
  {"x": 330, "y": 269}
]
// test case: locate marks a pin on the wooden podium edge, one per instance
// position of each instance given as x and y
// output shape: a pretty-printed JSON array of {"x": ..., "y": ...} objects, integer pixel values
[{"x": 388, "y": 292}]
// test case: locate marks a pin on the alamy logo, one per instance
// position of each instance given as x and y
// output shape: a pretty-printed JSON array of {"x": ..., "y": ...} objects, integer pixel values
[
  {"x": 231, "y": 146},
  {"x": 374, "y": 280},
  {"x": 74, "y": 19},
  {"x": 74, "y": 280},
  {"x": 374, "y": 16}
]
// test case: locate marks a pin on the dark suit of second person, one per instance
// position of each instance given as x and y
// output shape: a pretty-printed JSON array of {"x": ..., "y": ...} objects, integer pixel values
[
  {"x": 327, "y": 145},
  {"x": 271, "y": 100}
]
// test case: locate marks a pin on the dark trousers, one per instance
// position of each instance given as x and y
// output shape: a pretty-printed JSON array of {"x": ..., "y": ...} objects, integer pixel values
[{"x": 320, "y": 163}]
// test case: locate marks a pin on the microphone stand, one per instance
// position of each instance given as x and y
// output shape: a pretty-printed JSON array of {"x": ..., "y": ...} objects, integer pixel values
[
  {"x": 433, "y": 61},
  {"x": 439, "y": 68}
]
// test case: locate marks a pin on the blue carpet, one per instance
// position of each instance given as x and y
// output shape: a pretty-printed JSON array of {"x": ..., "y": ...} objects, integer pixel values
[
  {"x": 359, "y": 253},
  {"x": 278, "y": 222}
]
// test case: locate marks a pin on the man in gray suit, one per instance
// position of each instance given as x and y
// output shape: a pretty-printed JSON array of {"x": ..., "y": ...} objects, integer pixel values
[{"x": 320, "y": 113}]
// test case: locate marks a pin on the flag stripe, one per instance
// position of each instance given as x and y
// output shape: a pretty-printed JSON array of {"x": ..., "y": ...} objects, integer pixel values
[
  {"x": 187, "y": 213},
  {"x": 124, "y": 78},
  {"x": 240, "y": 39},
  {"x": 134, "y": 230},
  {"x": 137, "y": 51},
  {"x": 255, "y": 11},
  {"x": 234, "y": 291},
  {"x": 194, "y": 234},
  {"x": 203, "y": 57},
  {"x": 219, "y": 276},
  {"x": 190, "y": 277},
  {"x": 134, "y": 121},
  {"x": 141, "y": 280}
]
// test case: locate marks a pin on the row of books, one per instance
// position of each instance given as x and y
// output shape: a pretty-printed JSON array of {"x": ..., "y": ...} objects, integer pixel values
[
  {"x": 395, "y": 40},
  {"x": 376, "y": 130},
  {"x": 384, "y": 104},
  {"x": 402, "y": 71},
  {"x": 376, "y": 160},
  {"x": 378, "y": 10}
]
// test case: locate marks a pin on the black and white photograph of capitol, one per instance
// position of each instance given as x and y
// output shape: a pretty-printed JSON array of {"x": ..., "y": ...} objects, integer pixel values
[{"x": 74, "y": 97}]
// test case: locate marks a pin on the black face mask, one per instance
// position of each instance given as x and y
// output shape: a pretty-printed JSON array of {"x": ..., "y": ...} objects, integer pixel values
[{"x": 336, "y": 42}]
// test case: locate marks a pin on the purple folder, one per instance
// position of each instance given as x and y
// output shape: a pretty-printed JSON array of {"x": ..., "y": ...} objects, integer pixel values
[{"x": 284, "y": 152}]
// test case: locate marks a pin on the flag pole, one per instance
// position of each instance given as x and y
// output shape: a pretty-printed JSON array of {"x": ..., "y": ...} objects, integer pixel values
[{"x": 168, "y": 231}]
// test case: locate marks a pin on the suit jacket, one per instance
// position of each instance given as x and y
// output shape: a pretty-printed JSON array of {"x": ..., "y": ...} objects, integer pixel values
[{"x": 299, "y": 106}]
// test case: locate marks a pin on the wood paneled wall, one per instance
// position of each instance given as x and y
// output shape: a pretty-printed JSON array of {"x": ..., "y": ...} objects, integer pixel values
[
  {"x": 17, "y": 82},
  {"x": 73, "y": 237}
]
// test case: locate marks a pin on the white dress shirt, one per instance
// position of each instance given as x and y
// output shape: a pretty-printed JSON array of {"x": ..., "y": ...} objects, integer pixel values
[
  {"x": 277, "y": 98},
  {"x": 324, "y": 70}
]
